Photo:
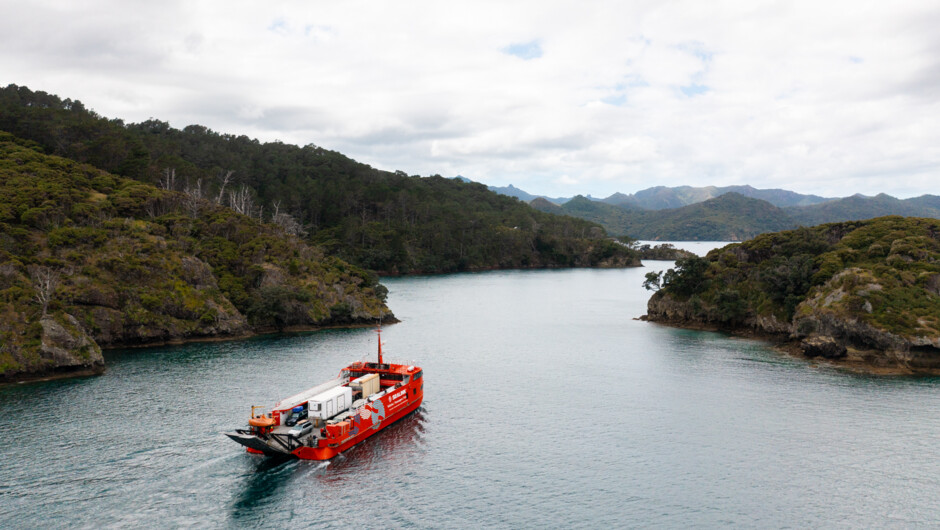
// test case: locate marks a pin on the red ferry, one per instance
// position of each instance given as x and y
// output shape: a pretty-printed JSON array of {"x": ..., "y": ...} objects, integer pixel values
[{"x": 322, "y": 422}]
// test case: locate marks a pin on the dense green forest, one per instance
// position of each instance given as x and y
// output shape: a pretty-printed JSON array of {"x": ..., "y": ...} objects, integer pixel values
[
  {"x": 90, "y": 259},
  {"x": 384, "y": 221},
  {"x": 868, "y": 284}
]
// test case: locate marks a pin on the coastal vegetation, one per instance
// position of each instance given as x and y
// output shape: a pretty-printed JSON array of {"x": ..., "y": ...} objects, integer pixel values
[
  {"x": 860, "y": 290},
  {"x": 91, "y": 259},
  {"x": 384, "y": 221},
  {"x": 662, "y": 251}
]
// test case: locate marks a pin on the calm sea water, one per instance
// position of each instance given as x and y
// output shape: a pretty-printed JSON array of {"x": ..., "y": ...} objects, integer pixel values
[{"x": 547, "y": 405}]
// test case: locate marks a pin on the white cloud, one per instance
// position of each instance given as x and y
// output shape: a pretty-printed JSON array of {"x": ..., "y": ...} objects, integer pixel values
[{"x": 828, "y": 98}]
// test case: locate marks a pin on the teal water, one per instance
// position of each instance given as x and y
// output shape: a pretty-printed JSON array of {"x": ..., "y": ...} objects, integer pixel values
[{"x": 546, "y": 405}]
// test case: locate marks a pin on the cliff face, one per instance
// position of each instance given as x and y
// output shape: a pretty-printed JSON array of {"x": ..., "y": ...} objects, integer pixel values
[
  {"x": 88, "y": 260},
  {"x": 840, "y": 312},
  {"x": 864, "y": 292}
]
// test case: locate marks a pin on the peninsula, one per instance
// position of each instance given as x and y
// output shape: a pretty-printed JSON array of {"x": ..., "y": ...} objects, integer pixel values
[{"x": 864, "y": 294}]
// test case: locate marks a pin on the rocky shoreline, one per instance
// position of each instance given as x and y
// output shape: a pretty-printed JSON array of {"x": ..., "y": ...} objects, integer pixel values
[
  {"x": 70, "y": 352},
  {"x": 816, "y": 337}
]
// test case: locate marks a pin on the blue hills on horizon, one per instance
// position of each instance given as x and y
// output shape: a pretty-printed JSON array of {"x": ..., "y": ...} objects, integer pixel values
[
  {"x": 730, "y": 213},
  {"x": 663, "y": 197}
]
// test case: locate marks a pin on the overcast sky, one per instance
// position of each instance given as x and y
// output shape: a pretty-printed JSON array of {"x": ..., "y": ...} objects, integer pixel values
[{"x": 556, "y": 97}]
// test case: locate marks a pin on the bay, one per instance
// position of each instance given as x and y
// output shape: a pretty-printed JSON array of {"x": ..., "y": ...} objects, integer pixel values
[{"x": 546, "y": 405}]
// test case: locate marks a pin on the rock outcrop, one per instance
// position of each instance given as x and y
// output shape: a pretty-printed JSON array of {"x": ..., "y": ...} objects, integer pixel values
[
  {"x": 66, "y": 347},
  {"x": 825, "y": 347},
  {"x": 815, "y": 333}
]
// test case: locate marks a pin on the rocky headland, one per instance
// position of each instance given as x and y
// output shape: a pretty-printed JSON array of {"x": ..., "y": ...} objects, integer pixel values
[
  {"x": 90, "y": 260},
  {"x": 862, "y": 294}
]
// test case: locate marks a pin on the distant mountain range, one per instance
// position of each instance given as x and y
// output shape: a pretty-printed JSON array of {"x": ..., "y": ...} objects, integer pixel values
[
  {"x": 861, "y": 207},
  {"x": 662, "y": 197},
  {"x": 730, "y": 213},
  {"x": 522, "y": 195},
  {"x": 728, "y": 217}
]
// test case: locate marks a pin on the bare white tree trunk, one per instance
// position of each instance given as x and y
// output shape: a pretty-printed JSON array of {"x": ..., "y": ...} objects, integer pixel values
[
  {"x": 45, "y": 281},
  {"x": 289, "y": 224},
  {"x": 241, "y": 200},
  {"x": 193, "y": 198},
  {"x": 224, "y": 179},
  {"x": 168, "y": 179}
]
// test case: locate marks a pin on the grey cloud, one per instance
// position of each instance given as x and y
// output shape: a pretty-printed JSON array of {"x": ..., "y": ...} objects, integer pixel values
[{"x": 432, "y": 96}]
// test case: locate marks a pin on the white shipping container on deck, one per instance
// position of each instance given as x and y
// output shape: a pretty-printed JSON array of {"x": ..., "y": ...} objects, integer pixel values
[
  {"x": 330, "y": 403},
  {"x": 288, "y": 403}
]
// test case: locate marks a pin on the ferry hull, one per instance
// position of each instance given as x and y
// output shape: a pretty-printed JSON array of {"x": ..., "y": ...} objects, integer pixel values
[{"x": 325, "y": 453}]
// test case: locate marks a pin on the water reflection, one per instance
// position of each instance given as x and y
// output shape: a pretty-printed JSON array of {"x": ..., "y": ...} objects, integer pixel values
[{"x": 263, "y": 480}]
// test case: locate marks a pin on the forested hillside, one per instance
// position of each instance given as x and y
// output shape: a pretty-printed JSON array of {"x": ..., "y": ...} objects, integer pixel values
[
  {"x": 90, "y": 259},
  {"x": 388, "y": 222}
]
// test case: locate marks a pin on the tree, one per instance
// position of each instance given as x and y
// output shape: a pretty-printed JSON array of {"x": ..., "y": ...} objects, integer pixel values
[
  {"x": 168, "y": 179},
  {"x": 289, "y": 224},
  {"x": 731, "y": 307},
  {"x": 787, "y": 279},
  {"x": 224, "y": 179},
  {"x": 193, "y": 198},
  {"x": 688, "y": 277},
  {"x": 45, "y": 281},
  {"x": 241, "y": 200},
  {"x": 653, "y": 281}
]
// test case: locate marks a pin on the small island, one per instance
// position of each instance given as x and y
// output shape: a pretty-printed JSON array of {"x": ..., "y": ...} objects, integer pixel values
[
  {"x": 662, "y": 251},
  {"x": 860, "y": 294}
]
